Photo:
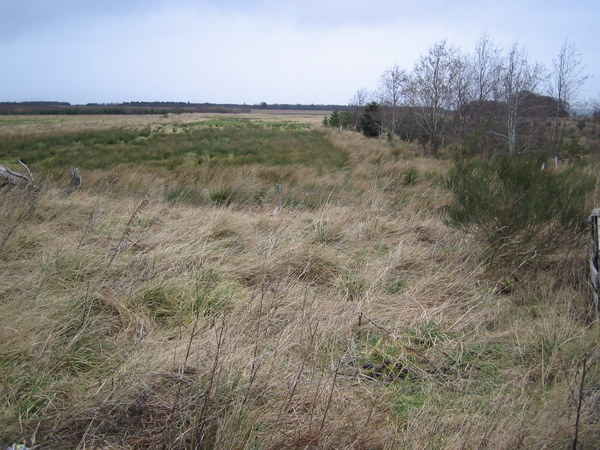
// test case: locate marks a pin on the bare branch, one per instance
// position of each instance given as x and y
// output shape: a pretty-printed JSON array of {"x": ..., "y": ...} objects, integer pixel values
[
  {"x": 28, "y": 171},
  {"x": 14, "y": 178}
]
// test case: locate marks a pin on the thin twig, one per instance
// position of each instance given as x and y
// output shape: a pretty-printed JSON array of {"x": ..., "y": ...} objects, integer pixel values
[
  {"x": 199, "y": 294},
  {"x": 18, "y": 222},
  {"x": 127, "y": 230},
  {"x": 584, "y": 368},
  {"x": 207, "y": 392},
  {"x": 255, "y": 366},
  {"x": 308, "y": 353},
  {"x": 335, "y": 375},
  {"x": 314, "y": 402},
  {"x": 88, "y": 225},
  {"x": 28, "y": 171},
  {"x": 376, "y": 325}
]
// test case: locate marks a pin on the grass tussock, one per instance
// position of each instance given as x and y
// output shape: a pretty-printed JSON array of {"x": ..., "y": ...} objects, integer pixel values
[{"x": 267, "y": 305}]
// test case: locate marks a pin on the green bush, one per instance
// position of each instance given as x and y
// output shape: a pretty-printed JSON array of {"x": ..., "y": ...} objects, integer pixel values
[
  {"x": 334, "y": 119},
  {"x": 370, "y": 122},
  {"x": 519, "y": 211},
  {"x": 573, "y": 150}
]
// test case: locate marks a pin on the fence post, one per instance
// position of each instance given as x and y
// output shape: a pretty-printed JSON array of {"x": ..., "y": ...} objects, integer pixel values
[
  {"x": 278, "y": 197},
  {"x": 594, "y": 263},
  {"x": 75, "y": 182}
]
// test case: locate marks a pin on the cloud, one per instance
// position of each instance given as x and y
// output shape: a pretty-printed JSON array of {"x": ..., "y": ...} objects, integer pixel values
[
  {"x": 250, "y": 51},
  {"x": 197, "y": 54},
  {"x": 27, "y": 17}
]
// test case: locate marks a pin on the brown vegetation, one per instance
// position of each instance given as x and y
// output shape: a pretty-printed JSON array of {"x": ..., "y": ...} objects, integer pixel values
[{"x": 337, "y": 311}]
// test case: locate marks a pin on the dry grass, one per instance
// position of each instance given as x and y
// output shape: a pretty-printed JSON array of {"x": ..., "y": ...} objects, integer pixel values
[
  {"x": 347, "y": 318},
  {"x": 16, "y": 125}
]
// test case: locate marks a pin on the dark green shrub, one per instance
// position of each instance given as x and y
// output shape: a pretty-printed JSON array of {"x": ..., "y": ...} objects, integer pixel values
[
  {"x": 334, "y": 119},
  {"x": 346, "y": 119},
  {"x": 573, "y": 150},
  {"x": 370, "y": 122},
  {"x": 337, "y": 119},
  {"x": 517, "y": 210}
]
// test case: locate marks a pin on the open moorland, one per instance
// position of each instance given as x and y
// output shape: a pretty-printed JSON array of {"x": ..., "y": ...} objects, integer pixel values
[{"x": 259, "y": 281}]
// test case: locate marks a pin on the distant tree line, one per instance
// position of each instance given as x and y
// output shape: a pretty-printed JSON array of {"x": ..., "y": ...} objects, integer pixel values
[
  {"x": 31, "y": 108},
  {"x": 491, "y": 100},
  {"x": 297, "y": 107}
]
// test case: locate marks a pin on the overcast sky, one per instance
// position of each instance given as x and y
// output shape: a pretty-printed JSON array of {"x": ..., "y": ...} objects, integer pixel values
[{"x": 276, "y": 51}]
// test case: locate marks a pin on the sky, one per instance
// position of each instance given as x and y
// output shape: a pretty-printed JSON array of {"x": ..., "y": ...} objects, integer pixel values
[{"x": 253, "y": 51}]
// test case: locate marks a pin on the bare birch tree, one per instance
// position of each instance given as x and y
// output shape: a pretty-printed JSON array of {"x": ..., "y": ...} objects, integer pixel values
[
  {"x": 358, "y": 103},
  {"x": 565, "y": 82},
  {"x": 485, "y": 64},
  {"x": 517, "y": 77},
  {"x": 463, "y": 94},
  {"x": 392, "y": 87},
  {"x": 431, "y": 91}
]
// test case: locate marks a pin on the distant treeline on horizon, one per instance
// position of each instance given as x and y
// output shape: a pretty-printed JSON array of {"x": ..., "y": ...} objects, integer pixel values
[{"x": 46, "y": 107}]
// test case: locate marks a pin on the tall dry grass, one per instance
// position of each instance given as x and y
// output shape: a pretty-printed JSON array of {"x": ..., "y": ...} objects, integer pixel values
[{"x": 335, "y": 312}]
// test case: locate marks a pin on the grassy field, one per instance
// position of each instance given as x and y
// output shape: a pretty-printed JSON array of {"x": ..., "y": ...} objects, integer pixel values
[
  {"x": 212, "y": 142},
  {"x": 259, "y": 282}
]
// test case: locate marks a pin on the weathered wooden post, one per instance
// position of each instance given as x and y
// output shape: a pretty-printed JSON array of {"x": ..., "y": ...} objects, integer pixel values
[
  {"x": 75, "y": 182},
  {"x": 594, "y": 263},
  {"x": 278, "y": 197}
]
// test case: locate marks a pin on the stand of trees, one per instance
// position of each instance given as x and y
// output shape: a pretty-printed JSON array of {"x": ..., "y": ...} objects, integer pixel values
[{"x": 490, "y": 100}]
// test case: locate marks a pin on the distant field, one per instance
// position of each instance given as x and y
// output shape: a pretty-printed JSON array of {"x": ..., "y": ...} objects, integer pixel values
[
  {"x": 202, "y": 158},
  {"x": 211, "y": 141},
  {"x": 10, "y": 125}
]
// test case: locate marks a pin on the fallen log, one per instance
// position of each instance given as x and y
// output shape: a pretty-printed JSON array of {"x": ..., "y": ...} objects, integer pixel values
[{"x": 9, "y": 177}]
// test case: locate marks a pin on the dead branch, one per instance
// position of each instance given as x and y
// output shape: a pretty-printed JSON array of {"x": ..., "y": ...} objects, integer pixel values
[
  {"x": 28, "y": 171},
  {"x": 9, "y": 177}
]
